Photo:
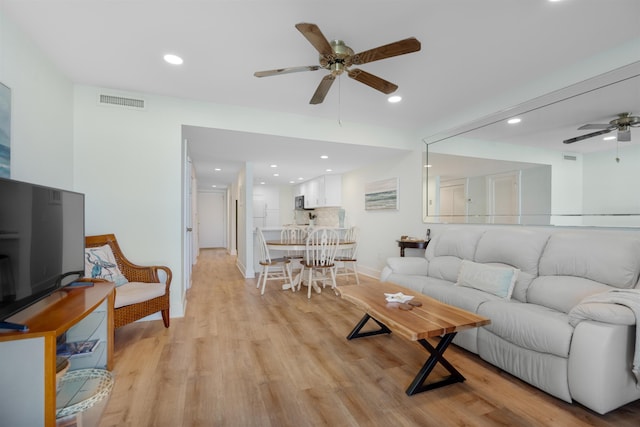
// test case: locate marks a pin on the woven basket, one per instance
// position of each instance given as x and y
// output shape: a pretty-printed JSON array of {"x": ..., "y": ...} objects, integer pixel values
[
  {"x": 81, "y": 389},
  {"x": 62, "y": 366}
]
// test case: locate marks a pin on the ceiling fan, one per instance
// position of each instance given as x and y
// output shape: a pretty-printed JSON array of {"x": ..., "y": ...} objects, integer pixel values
[
  {"x": 337, "y": 58},
  {"x": 623, "y": 124}
]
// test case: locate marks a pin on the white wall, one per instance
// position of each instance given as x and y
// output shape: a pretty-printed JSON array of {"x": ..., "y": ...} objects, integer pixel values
[
  {"x": 612, "y": 186},
  {"x": 128, "y": 163},
  {"x": 379, "y": 230},
  {"x": 41, "y": 113}
]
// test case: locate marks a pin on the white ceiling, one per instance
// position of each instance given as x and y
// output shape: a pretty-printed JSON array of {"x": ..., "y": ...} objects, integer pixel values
[{"x": 473, "y": 53}]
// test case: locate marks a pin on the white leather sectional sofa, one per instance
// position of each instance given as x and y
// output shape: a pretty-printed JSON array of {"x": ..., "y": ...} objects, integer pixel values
[{"x": 544, "y": 333}]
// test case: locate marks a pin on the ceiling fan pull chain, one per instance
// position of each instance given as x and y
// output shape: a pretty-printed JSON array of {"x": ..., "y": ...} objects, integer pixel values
[
  {"x": 617, "y": 151},
  {"x": 340, "y": 100}
]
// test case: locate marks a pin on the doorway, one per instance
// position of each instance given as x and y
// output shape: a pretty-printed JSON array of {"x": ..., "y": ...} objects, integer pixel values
[{"x": 212, "y": 219}]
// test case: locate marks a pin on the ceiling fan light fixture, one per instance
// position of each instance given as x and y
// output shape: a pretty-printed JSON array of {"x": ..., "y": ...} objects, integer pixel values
[
  {"x": 173, "y": 59},
  {"x": 394, "y": 99},
  {"x": 609, "y": 138}
]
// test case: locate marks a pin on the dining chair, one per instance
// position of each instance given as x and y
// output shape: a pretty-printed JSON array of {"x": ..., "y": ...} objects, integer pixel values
[
  {"x": 294, "y": 234},
  {"x": 346, "y": 261},
  {"x": 321, "y": 246},
  {"x": 281, "y": 265}
]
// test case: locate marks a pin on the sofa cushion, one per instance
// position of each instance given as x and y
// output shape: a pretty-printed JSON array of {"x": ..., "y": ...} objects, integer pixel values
[
  {"x": 495, "y": 280},
  {"x": 417, "y": 283},
  {"x": 529, "y": 326},
  {"x": 408, "y": 265},
  {"x": 466, "y": 298},
  {"x": 445, "y": 268},
  {"x": 456, "y": 242},
  {"x": 520, "y": 248},
  {"x": 607, "y": 257},
  {"x": 517, "y": 247},
  {"x": 562, "y": 293}
]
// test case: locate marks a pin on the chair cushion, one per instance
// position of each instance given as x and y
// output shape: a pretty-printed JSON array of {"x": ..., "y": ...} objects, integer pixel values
[
  {"x": 100, "y": 263},
  {"x": 135, "y": 292}
]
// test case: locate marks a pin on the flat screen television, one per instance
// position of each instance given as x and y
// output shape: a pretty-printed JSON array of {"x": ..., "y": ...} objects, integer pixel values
[{"x": 41, "y": 242}]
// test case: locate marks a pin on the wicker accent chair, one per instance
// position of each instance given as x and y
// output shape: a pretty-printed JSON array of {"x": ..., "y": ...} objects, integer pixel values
[{"x": 135, "y": 273}]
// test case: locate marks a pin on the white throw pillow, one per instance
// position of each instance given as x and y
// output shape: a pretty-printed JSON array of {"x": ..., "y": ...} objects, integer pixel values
[
  {"x": 495, "y": 280},
  {"x": 99, "y": 263}
]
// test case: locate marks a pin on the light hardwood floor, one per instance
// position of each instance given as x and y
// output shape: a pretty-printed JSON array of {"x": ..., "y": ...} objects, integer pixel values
[{"x": 242, "y": 359}]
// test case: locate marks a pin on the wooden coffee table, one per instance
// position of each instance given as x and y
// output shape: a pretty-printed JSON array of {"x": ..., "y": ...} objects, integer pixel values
[{"x": 432, "y": 319}]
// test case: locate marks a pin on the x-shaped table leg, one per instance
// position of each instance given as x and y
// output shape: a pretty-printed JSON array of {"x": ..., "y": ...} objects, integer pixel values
[{"x": 436, "y": 355}]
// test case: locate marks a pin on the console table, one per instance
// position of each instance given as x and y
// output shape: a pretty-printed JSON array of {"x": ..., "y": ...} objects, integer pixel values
[
  {"x": 411, "y": 244},
  {"x": 28, "y": 368}
]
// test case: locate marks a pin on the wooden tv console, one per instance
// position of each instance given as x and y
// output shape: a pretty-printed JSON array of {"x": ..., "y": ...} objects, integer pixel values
[{"x": 28, "y": 361}]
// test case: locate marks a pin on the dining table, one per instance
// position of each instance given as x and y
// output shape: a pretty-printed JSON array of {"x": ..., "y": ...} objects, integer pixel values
[{"x": 296, "y": 246}]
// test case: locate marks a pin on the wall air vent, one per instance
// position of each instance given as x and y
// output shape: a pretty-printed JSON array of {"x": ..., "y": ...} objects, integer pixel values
[
  {"x": 120, "y": 101},
  {"x": 570, "y": 157}
]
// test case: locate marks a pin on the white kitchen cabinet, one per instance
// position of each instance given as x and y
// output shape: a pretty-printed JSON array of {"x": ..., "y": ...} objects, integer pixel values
[{"x": 323, "y": 191}]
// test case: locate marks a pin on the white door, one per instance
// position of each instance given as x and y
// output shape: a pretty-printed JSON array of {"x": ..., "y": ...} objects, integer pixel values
[
  {"x": 187, "y": 204},
  {"x": 211, "y": 216},
  {"x": 452, "y": 203},
  {"x": 504, "y": 192}
]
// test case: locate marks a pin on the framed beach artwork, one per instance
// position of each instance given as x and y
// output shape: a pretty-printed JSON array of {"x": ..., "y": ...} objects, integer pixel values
[
  {"x": 5, "y": 131},
  {"x": 381, "y": 194}
]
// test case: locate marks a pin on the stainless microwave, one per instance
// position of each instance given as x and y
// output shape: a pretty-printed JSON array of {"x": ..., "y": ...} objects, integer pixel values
[{"x": 299, "y": 203}]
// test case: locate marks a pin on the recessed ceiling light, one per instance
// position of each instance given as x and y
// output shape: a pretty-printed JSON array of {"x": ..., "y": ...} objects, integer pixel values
[
  {"x": 214, "y": 186},
  {"x": 276, "y": 174},
  {"x": 514, "y": 120},
  {"x": 274, "y": 166},
  {"x": 324, "y": 156},
  {"x": 395, "y": 98},
  {"x": 300, "y": 179},
  {"x": 328, "y": 170},
  {"x": 609, "y": 138},
  {"x": 173, "y": 59},
  {"x": 292, "y": 182},
  {"x": 262, "y": 182},
  {"x": 217, "y": 169}
]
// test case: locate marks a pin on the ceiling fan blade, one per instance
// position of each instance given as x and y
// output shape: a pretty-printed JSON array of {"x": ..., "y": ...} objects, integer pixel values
[
  {"x": 624, "y": 135},
  {"x": 373, "y": 81},
  {"x": 595, "y": 126},
  {"x": 323, "y": 89},
  {"x": 589, "y": 135},
  {"x": 287, "y": 70},
  {"x": 387, "y": 51},
  {"x": 315, "y": 37}
]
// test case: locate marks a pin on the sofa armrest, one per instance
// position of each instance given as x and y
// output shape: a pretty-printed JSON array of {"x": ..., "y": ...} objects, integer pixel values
[
  {"x": 408, "y": 265},
  {"x": 615, "y": 314}
]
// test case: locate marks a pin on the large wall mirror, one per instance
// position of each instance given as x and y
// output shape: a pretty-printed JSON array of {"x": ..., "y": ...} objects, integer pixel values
[{"x": 494, "y": 172}]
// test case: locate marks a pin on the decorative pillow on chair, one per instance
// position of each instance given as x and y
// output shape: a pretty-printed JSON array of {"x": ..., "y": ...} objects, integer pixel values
[
  {"x": 495, "y": 280},
  {"x": 99, "y": 263}
]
